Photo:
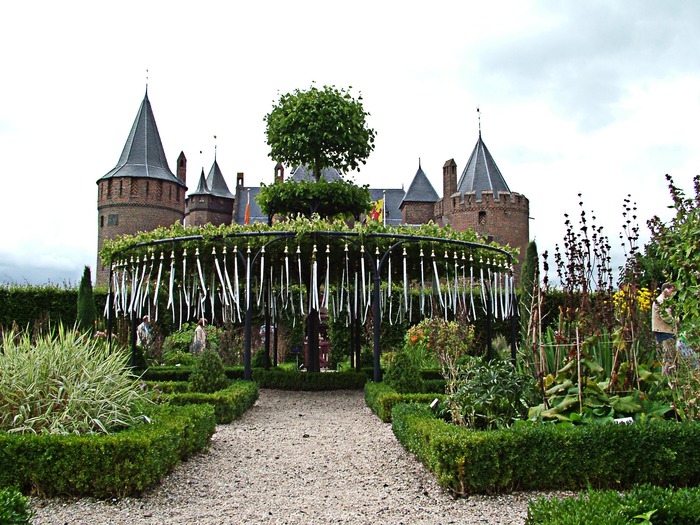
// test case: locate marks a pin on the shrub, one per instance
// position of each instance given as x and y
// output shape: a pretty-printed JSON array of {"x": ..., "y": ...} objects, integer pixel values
[
  {"x": 228, "y": 403},
  {"x": 540, "y": 456},
  {"x": 208, "y": 375},
  {"x": 403, "y": 375},
  {"x": 490, "y": 395},
  {"x": 67, "y": 384},
  {"x": 105, "y": 466},
  {"x": 87, "y": 311},
  {"x": 296, "y": 380},
  {"x": 659, "y": 505},
  {"x": 14, "y": 508},
  {"x": 381, "y": 399}
]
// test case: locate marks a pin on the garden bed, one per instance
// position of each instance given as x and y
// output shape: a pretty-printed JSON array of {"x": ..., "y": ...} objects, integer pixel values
[{"x": 547, "y": 456}]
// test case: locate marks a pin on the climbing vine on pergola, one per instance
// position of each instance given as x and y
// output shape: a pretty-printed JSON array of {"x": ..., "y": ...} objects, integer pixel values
[{"x": 300, "y": 266}]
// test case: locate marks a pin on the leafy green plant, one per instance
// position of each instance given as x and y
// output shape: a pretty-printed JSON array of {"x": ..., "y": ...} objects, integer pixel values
[
  {"x": 581, "y": 392},
  {"x": 208, "y": 375},
  {"x": 14, "y": 508},
  {"x": 491, "y": 394},
  {"x": 67, "y": 383}
]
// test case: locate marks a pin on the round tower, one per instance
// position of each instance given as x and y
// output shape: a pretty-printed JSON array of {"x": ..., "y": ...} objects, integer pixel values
[{"x": 140, "y": 193}]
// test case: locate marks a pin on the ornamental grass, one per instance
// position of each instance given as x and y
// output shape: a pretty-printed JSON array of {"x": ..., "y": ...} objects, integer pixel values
[{"x": 65, "y": 383}]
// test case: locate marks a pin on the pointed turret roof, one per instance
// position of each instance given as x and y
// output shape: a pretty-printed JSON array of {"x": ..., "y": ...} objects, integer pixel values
[
  {"x": 303, "y": 173},
  {"x": 216, "y": 183},
  {"x": 481, "y": 173},
  {"x": 420, "y": 189},
  {"x": 143, "y": 155},
  {"x": 202, "y": 187}
]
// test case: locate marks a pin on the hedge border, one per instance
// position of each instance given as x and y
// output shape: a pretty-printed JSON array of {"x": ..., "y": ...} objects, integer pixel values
[
  {"x": 228, "y": 404},
  {"x": 105, "y": 465},
  {"x": 381, "y": 399},
  {"x": 549, "y": 456}
]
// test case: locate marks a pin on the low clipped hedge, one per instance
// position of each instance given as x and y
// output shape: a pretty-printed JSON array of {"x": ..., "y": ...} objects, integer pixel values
[
  {"x": 381, "y": 399},
  {"x": 228, "y": 403},
  {"x": 662, "y": 506},
  {"x": 548, "y": 456},
  {"x": 169, "y": 387},
  {"x": 182, "y": 373},
  {"x": 317, "y": 381},
  {"x": 105, "y": 465}
]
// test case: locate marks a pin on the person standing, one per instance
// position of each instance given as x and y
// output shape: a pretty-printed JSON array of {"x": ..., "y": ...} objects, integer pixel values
[
  {"x": 143, "y": 332},
  {"x": 664, "y": 329},
  {"x": 200, "y": 337}
]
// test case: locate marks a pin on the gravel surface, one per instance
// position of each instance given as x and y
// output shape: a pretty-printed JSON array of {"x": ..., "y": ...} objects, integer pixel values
[{"x": 296, "y": 458}]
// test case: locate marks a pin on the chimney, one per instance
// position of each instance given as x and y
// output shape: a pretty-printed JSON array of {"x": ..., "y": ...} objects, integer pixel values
[
  {"x": 239, "y": 179},
  {"x": 449, "y": 179},
  {"x": 182, "y": 168}
]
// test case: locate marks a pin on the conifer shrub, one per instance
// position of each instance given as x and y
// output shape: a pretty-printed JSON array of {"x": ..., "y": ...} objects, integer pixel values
[
  {"x": 87, "y": 310},
  {"x": 208, "y": 375},
  {"x": 403, "y": 374}
]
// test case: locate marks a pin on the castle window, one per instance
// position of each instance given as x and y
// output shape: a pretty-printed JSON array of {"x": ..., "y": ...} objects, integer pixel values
[
  {"x": 102, "y": 221},
  {"x": 113, "y": 220},
  {"x": 482, "y": 217},
  {"x": 120, "y": 187},
  {"x": 159, "y": 190},
  {"x": 109, "y": 188},
  {"x": 147, "y": 189},
  {"x": 177, "y": 195},
  {"x": 170, "y": 193}
]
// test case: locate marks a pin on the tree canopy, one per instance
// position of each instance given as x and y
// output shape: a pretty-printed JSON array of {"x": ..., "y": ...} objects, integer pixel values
[
  {"x": 326, "y": 199},
  {"x": 319, "y": 128}
]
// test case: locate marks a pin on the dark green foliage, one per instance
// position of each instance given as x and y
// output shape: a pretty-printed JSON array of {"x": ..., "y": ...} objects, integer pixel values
[
  {"x": 169, "y": 387},
  {"x": 208, "y": 375},
  {"x": 14, "y": 508},
  {"x": 105, "y": 466},
  {"x": 381, "y": 399},
  {"x": 182, "y": 373},
  {"x": 327, "y": 199},
  {"x": 493, "y": 394},
  {"x": 548, "y": 456},
  {"x": 404, "y": 375},
  {"x": 664, "y": 506},
  {"x": 228, "y": 403},
  {"x": 258, "y": 358},
  {"x": 87, "y": 311},
  {"x": 30, "y": 305},
  {"x": 295, "y": 380},
  {"x": 321, "y": 128}
]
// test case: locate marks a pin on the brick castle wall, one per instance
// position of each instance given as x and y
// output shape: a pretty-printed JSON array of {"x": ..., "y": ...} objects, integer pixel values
[{"x": 130, "y": 205}]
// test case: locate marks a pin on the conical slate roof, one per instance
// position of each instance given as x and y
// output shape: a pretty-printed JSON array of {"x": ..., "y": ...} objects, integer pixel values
[
  {"x": 420, "y": 189},
  {"x": 216, "y": 183},
  {"x": 303, "y": 173},
  {"x": 202, "y": 188},
  {"x": 481, "y": 173},
  {"x": 143, "y": 154}
]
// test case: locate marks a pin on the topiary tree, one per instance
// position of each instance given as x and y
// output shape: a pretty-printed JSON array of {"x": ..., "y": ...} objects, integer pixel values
[
  {"x": 208, "y": 375},
  {"x": 319, "y": 128},
  {"x": 404, "y": 374},
  {"x": 87, "y": 311}
]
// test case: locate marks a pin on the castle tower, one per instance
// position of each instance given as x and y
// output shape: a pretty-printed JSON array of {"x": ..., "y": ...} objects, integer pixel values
[
  {"x": 140, "y": 193},
  {"x": 211, "y": 202},
  {"x": 418, "y": 205},
  {"x": 483, "y": 201}
]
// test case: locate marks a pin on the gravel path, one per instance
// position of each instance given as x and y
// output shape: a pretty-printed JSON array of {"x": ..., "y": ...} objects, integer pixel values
[{"x": 296, "y": 458}]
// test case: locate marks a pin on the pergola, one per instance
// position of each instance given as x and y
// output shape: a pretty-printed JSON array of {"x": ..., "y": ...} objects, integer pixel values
[{"x": 356, "y": 271}]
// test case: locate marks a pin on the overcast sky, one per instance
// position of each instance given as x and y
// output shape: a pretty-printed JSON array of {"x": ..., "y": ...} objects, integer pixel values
[{"x": 601, "y": 98}]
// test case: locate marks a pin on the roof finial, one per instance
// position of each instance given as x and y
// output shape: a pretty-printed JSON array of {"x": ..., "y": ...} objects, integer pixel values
[
  {"x": 478, "y": 114},
  {"x": 419, "y": 163},
  {"x": 214, "y": 148},
  {"x": 146, "y": 81}
]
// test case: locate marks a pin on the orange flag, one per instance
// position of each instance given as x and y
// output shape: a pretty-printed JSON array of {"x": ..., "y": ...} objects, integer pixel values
[{"x": 247, "y": 210}]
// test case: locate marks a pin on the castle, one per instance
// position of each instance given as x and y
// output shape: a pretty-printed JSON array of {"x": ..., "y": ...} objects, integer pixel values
[{"x": 141, "y": 193}]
